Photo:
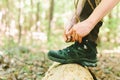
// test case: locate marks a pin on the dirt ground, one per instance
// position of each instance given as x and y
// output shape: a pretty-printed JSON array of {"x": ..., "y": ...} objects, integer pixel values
[
  {"x": 108, "y": 67},
  {"x": 12, "y": 68}
]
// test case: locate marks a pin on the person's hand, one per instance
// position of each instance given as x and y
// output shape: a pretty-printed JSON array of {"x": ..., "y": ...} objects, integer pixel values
[
  {"x": 79, "y": 30},
  {"x": 67, "y": 28}
]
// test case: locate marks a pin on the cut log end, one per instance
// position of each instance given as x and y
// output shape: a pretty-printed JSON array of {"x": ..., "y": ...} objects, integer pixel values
[{"x": 67, "y": 72}]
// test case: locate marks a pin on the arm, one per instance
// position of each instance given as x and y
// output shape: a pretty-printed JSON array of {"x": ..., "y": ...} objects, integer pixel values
[
  {"x": 73, "y": 19},
  {"x": 81, "y": 29},
  {"x": 101, "y": 10},
  {"x": 77, "y": 12},
  {"x": 80, "y": 6}
]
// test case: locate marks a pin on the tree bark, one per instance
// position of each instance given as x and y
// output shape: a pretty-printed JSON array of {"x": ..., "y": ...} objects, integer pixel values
[
  {"x": 67, "y": 72},
  {"x": 19, "y": 24},
  {"x": 37, "y": 15},
  {"x": 50, "y": 18}
]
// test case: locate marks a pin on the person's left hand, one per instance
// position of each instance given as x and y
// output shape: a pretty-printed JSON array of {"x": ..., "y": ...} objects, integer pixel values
[{"x": 80, "y": 30}]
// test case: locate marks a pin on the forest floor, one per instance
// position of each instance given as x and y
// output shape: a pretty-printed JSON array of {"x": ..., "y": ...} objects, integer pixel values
[
  {"x": 108, "y": 67},
  {"x": 19, "y": 67}
]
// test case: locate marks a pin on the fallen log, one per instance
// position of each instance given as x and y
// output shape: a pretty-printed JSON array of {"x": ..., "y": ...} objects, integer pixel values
[{"x": 67, "y": 72}]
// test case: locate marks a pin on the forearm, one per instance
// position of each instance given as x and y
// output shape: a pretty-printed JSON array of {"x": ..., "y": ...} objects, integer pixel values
[
  {"x": 101, "y": 10},
  {"x": 78, "y": 10},
  {"x": 80, "y": 6},
  {"x": 75, "y": 16}
]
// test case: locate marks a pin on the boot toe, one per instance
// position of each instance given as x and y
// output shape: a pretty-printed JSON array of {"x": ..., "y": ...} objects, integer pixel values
[
  {"x": 52, "y": 53},
  {"x": 55, "y": 54}
]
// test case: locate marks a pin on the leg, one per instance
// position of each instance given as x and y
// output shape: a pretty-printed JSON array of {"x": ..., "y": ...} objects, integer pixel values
[
  {"x": 82, "y": 53},
  {"x": 87, "y": 10}
]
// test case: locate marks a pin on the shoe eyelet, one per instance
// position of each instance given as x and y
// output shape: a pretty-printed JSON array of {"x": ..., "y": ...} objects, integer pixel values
[
  {"x": 78, "y": 48},
  {"x": 68, "y": 50},
  {"x": 86, "y": 40},
  {"x": 85, "y": 47}
]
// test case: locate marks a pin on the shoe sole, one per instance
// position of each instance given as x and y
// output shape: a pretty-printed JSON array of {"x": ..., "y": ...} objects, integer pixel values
[{"x": 82, "y": 61}]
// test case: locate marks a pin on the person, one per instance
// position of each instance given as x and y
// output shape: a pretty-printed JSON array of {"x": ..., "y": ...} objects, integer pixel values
[{"x": 84, "y": 34}]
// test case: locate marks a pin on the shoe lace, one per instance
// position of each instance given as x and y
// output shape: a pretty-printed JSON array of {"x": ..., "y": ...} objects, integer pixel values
[
  {"x": 71, "y": 47},
  {"x": 91, "y": 46}
]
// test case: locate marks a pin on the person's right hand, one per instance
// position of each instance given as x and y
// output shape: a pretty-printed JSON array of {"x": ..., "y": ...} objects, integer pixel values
[{"x": 80, "y": 30}]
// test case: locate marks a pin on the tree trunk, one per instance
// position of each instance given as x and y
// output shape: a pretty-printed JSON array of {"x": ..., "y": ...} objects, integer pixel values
[
  {"x": 31, "y": 14},
  {"x": 67, "y": 72},
  {"x": 37, "y": 15},
  {"x": 19, "y": 23},
  {"x": 50, "y": 18}
]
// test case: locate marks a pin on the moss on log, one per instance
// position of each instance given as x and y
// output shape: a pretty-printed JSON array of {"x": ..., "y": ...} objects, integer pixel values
[{"x": 67, "y": 72}]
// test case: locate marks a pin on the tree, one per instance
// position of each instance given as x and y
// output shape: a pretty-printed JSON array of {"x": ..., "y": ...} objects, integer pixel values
[
  {"x": 19, "y": 22},
  {"x": 37, "y": 15},
  {"x": 50, "y": 18}
]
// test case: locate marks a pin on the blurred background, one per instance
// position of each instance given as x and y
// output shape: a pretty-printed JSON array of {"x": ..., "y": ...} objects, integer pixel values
[{"x": 30, "y": 28}]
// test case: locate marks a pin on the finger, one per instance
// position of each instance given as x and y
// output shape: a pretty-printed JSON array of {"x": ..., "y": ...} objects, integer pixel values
[
  {"x": 69, "y": 36},
  {"x": 76, "y": 37},
  {"x": 69, "y": 39},
  {"x": 80, "y": 39},
  {"x": 73, "y": 36},
  {"x": 65, "y": 38}
]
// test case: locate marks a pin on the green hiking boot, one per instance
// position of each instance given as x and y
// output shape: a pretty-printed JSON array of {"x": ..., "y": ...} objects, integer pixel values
[{"x": 82, "y": 53}]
